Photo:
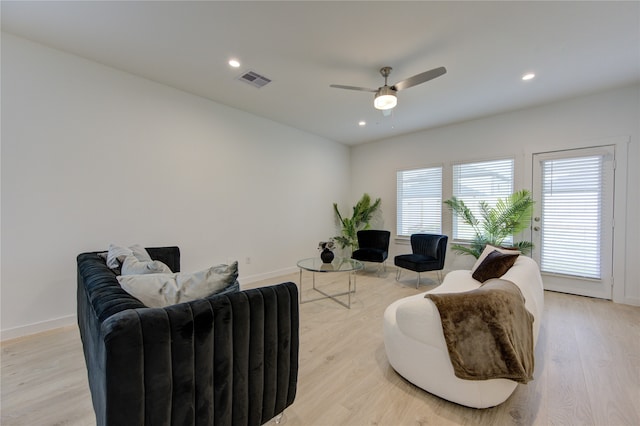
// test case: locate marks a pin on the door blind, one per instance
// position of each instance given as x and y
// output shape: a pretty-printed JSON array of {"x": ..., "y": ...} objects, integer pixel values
[
  {"x": 419, "y": 201},
  {"x": 572, "y": 194}
]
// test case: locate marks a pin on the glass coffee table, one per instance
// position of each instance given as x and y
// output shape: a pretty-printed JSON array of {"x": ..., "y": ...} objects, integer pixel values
[{"x": 315, "y": 264}]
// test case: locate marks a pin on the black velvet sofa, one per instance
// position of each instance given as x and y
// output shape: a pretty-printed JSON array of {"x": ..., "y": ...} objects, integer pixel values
[{"x": 229, "y": 359}]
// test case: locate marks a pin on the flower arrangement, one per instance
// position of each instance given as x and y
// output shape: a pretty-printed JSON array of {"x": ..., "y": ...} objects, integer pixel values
[{"x": 326, "y": 245}]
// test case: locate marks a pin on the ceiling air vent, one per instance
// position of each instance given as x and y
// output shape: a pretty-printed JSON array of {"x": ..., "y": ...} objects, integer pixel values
[{"x": 254, "y": 79}]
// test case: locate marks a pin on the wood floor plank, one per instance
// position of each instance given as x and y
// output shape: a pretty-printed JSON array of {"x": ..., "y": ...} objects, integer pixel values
[
  {"x": 587, "y": 368},
  {"x": 570, "y": 403},
  {"x": 613, "y": 360}
]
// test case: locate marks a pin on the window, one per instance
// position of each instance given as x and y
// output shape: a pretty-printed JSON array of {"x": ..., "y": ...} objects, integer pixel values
[
  {"x": 419, "y": 201},
  {"x": 482, "y": 181}
]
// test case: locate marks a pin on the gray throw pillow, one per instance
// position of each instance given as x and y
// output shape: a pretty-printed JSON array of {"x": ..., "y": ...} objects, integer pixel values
[
  {"x": 133, "y": 266},
  {"x": 159, "y": 290}
]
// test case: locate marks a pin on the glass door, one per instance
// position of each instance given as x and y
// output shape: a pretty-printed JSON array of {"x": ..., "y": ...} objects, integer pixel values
[{"x": 572, "y": 228}]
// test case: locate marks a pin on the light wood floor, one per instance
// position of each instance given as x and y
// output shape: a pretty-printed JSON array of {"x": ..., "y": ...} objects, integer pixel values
[{"x": 587, "y": 368}]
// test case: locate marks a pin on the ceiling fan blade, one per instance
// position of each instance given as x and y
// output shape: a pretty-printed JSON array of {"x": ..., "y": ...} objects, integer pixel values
[
  {"x": 420, "y": 78},
  {"x": 362, "y": 89}
]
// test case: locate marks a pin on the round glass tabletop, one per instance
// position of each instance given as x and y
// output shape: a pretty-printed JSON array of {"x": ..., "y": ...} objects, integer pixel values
[{"x": 339, "y": 264}]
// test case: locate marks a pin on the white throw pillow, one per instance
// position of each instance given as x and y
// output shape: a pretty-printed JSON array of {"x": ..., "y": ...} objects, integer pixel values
[
  {"x": 160, "y": 290},
  {"x": 140, "y": 253},
  {"x": 116, "y": 255},
  {"x": 132, "y": 266},
  {"x": 487, "y": 250}
]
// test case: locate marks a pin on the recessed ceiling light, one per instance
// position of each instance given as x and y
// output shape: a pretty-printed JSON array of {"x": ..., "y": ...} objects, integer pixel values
[
  {"x": 528, "y": 76},
  {"x": 234, "y": 63},
  {"x": 362, "y": 123}
]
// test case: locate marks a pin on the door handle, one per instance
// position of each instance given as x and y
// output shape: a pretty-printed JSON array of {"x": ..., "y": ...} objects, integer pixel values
[{"x": 536, "y": 228}]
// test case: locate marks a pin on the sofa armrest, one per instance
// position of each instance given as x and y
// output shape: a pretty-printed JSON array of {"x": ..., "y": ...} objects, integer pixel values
[{"x": 226, "y": 359}]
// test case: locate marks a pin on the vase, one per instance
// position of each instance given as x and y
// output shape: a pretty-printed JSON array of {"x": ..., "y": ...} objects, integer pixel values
[{"x": 327, "y": 256}]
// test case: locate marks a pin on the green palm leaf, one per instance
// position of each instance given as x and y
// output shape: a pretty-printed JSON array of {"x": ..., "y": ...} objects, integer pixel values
[
  {"x": 362, "y": 213},
  {"x": 508, "y": 217}
]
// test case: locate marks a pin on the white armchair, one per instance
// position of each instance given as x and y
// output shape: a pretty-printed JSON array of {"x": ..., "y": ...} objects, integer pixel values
[{"x": 416, "y": 347}]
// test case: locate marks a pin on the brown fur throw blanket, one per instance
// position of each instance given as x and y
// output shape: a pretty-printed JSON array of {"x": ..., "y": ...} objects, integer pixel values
[{"x": 488, "y": 331}]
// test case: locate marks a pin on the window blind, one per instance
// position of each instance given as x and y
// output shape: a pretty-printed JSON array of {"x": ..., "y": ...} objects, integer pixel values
[
  {"x": 476, "y": 182},
  {"x": 419, "y": 201},
  {"x": 572, "y": 194}
]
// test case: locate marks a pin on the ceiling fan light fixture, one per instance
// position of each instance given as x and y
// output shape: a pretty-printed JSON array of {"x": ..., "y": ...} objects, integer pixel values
[{"x": 385, "y": 98}]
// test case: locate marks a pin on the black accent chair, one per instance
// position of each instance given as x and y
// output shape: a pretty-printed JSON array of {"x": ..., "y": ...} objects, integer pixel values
[
  {"x": 373, "y": 247},
  {"x": 429, "y": 251},
  {"x": 227, "y": 359}
]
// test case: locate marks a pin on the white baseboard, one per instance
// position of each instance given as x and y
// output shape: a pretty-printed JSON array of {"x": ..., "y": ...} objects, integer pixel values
[
  {"x": 39, "y": 327},
  {"x": 633, "y": 301},
  {"x": 259, "y": 277}
]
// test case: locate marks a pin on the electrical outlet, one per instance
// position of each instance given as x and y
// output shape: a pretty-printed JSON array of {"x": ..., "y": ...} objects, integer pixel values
[{"x": 247, "y": 261}]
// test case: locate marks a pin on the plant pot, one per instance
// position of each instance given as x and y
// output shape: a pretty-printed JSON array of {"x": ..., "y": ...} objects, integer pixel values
[{"x": 327, "y": 256}]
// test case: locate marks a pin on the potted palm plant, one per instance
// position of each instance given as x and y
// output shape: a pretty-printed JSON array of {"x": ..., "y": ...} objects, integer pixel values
[
  {"x": 509, "y": 217},
  {"x": 362, "y": 213}
]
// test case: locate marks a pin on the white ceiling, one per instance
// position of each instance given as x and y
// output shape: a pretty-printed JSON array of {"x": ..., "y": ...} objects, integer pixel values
[{"x": 573, "y": 47}]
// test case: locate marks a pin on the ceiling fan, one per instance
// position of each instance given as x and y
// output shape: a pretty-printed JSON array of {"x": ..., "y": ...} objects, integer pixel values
[{"x": 385, "y": 98}]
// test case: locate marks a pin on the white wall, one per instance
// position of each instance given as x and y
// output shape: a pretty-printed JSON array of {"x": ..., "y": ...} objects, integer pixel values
[
  {"x": 92, "y": 155},
  {"x": 579, "y": 122}
]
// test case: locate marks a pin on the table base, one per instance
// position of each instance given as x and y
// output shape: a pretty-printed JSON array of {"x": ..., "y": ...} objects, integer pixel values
[{"x": 330, "y": 296}]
